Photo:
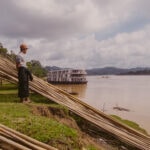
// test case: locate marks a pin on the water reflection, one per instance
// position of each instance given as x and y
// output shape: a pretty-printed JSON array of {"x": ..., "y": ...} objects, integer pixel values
[{"x": 78, "y": 90}]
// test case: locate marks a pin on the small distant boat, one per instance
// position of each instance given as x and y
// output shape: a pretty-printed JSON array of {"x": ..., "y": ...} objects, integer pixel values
[
  {"x": 67, "y": 76},
  {"x": 105, "y": 76},
  {"x": 121, "y": 108}
]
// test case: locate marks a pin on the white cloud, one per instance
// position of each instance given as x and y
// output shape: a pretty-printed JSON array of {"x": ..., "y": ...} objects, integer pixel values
[{"x": 62, "y": 32}]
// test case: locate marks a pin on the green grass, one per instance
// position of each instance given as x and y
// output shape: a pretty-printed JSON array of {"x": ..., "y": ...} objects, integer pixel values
[
  {"x": 19, "y": 117},
  {"x": 91, "y": 147},
  {"x": 131, "y": 124},
  {"x": 8, "y": 92},
  {"x": 7, "y": 98},
  {"x": 7, "y": 86}
]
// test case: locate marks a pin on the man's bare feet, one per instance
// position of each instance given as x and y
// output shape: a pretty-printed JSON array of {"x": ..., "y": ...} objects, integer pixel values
[{"x": 26, "y": 100}]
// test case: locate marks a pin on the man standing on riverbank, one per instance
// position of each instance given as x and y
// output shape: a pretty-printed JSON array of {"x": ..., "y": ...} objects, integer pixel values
[{"x": 23, "y": 75}]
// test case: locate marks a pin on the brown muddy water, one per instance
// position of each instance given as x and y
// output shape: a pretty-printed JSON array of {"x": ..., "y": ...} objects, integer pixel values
[{"x": 106, "y": 92}]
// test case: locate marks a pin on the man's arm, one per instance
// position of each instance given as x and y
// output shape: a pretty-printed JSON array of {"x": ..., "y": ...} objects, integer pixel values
[
  {"x": 18, "y": 62},
  {"x": 29, "y": 74},
  {"x": 17, "y": 65}
]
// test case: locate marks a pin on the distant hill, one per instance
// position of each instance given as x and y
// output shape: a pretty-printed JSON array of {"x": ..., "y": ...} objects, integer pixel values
[
  {"x": 117, "y": 71},
  {"x": 51, "y": 68},
  {"x": 105, "y": 71},
  {"x": 109, "y": 70},
  {"x": 139, "y": 72}
]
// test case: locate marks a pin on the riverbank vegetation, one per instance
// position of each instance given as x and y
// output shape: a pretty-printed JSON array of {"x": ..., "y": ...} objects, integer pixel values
[
  {"x": 132, "y": 124},
  {"x": 53, "y": 124},
  {"x": 43, "y": 120}
]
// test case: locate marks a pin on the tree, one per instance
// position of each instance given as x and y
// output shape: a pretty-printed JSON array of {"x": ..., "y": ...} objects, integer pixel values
[
  {"x": 3, "y": 51},
  {"x": 1, "y": 45},
  {"x": 36, "y": 68}
]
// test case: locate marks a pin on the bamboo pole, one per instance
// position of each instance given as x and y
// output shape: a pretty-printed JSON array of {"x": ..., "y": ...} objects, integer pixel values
[
  {"x": 13, "y": 144},
  {"x": 25, "y": 140},
  {"x": 22, "y": 141}
]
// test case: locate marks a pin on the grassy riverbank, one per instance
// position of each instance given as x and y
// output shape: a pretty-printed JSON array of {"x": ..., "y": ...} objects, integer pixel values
[
  {"x": 132, "y": 124},
  {"x": 47, "y": 121},
  {"x": 31, "y": 120}
]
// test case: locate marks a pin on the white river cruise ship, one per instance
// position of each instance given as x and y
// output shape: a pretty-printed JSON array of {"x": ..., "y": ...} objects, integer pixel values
[{"x": 72, "y": 76}]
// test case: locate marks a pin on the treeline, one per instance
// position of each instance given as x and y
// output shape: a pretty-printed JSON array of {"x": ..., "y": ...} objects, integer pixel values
[
  {"x": 119, "y": 71},
  {"x": 34, "y": 65},
  {"x": 4, "y": 52},
  {"x": 36, "y": 68},
  {"x": 140, "y": 72}
]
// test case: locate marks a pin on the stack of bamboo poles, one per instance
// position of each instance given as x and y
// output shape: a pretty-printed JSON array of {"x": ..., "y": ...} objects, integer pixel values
[
  {"x": 101, "y": 120},
  {"x": 13, "y": 140}
]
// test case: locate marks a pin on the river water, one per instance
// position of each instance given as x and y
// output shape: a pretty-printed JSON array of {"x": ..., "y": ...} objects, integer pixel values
[{"x": 106, "y": 92}]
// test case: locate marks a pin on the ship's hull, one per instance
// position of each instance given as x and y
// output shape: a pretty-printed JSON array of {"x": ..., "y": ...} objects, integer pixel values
[{"x": 67, "y": 82}]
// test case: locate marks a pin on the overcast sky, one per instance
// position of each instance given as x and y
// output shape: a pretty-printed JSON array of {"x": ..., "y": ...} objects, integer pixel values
[{"x": 79, "y": 33}]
